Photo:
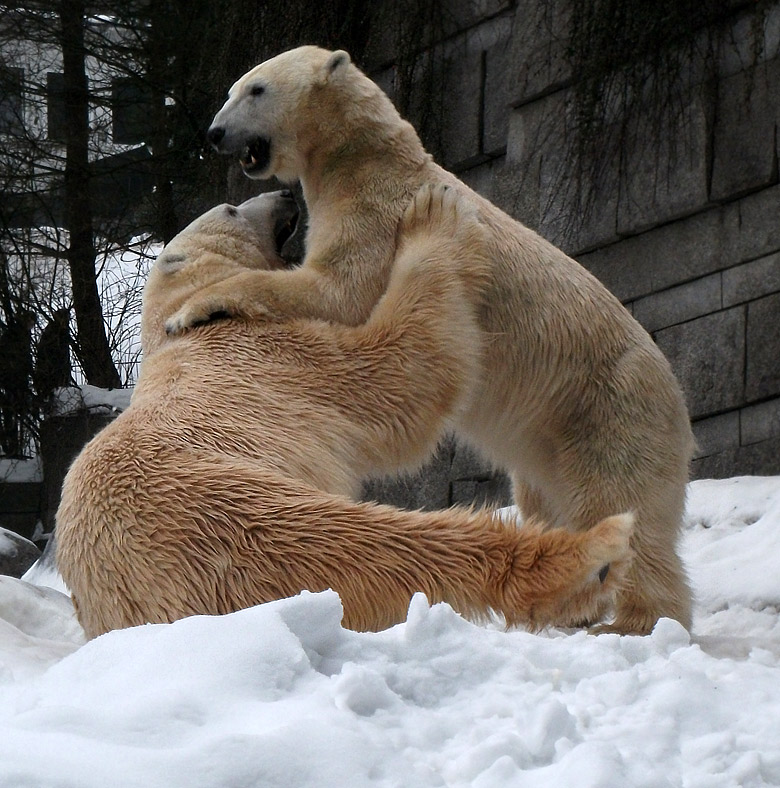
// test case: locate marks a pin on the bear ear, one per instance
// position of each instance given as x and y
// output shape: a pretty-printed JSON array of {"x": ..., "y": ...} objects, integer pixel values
[
  {"x": 169, "y": 262},
  {"x": 337, "y": 60}
]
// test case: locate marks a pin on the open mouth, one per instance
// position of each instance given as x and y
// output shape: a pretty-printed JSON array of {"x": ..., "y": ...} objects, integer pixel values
[
  {"x": 257, "y": 155},
  {"x": 284, "y": 231}
]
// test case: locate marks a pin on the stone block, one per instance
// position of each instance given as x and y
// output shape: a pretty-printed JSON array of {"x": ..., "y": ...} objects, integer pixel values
[
  {"x": 758, "y": 459},
  {"x": 680, "y": 303},
  {"x": 763, "y": 348},
  {"x": 444, "y": 101},
  {"x": 497, "y": 80},
  {"x": 515, "y": 189},
  {"x": 534, "y": 128},
  {"x": 430, "y": 22},
  {"x": 516, "y": 186},
  {"x": 468, "y": 464},
  {"x": 760, "y": 422},
  {"x": 429, "y": 488},
  {"x": 665, "y": 168},
  {"x": 560, "y": 199},
  {"x": 670, "y": 255},
  {"x": 744, "y": 155},
  {"x": 464, "y": 106},
  {"x": 708, "y": 356},
  {"x": 475, "y": 122},
  {"x": 716, "y": 466},
  {"x": 483, "y": 177},
  {"x": 757, "y": 230},
  {"x": 751, "y": 280},
  {"x": 578, "y": 193},
  {"x": 540, "y": 35},
  {"x": 749, "y": 37},
  {"x": 495, "y": 492},
  {"x": 624, "y": 268},
  {"x": 386, "y": 80},
  {"x": 738, "y": 46},
  {"x": 461, "y": 111},
  {"x": 382, "y": 45},
  {"x": 716, "y": 434},
  {"x": 770, "y": 43},
  {"x": 461, "y": 14}
]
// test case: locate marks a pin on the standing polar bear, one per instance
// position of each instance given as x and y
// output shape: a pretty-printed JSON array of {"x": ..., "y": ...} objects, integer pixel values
[
  {"x": 226, "y": 481},
  {"x": 574, "y": 398}
]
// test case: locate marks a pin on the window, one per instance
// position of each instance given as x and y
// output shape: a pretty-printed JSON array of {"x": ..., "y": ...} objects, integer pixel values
[
  {"x": 56, "y": 109},
  {"x": 11, "y": 101},
  {"x": 131, "y": 102}
]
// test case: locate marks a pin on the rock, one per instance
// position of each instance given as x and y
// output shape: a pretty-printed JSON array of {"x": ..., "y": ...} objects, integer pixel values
[{"x": 17, "y": 554}]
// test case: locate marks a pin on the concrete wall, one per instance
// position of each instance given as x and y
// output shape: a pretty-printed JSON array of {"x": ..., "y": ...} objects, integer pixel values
[{"x": 681, "y": 221}]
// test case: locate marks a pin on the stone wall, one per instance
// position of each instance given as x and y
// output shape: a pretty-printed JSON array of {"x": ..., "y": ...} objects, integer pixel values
[
  {"x": 680, "y": 218},
  {"x": 682, "y": 222}
]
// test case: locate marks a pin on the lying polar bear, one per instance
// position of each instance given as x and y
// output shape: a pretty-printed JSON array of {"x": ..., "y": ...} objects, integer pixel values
[
  {"x": 575, "y": 400},
  {"x": 226, "y": 481}
]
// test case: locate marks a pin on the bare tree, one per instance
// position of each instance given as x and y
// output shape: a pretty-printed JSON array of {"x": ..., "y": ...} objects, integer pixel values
[
  {"x": 93, "y": 349},
  {"x": 103, "y": 110}
]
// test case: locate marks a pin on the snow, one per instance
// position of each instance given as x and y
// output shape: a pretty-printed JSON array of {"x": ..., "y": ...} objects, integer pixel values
[
  {"x": 122, "y": 271},
  {"x": 121, "y": 280},
  {"x": 281, "y": 695},
  {"x": 72, "y": 399},
  {"x": 43, "y": 572}
]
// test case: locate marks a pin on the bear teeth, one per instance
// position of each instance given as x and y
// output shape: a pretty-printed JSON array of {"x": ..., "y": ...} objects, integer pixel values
[{"x": 256, "y": 154}]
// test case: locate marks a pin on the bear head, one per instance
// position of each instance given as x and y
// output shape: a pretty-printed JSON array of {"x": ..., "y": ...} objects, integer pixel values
[
  {"x": 216, "y": 245},
  {"x": 300, "y": 105}
]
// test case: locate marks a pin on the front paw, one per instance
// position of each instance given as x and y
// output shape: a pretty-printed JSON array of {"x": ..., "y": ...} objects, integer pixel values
[{"x": 195, "y": 314}]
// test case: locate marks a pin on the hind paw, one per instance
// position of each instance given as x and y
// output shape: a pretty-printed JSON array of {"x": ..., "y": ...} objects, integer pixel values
[{"x": 609, "y": 540}]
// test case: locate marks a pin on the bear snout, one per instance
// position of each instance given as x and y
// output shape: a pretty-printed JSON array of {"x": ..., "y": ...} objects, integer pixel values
[{"x": 215, "y": 135}]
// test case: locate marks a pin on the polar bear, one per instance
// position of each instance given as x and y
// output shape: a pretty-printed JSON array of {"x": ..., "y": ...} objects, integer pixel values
[
  {"x": 226, "y": 482},
  {"x": 576, "y": 401}
]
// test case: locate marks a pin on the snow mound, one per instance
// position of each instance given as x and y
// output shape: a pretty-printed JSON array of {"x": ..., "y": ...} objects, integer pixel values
[{"x": 281, "y": 695}]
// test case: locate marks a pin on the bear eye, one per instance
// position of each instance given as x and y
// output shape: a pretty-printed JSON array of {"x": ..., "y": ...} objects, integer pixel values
[{"x": 257, "y": 90}]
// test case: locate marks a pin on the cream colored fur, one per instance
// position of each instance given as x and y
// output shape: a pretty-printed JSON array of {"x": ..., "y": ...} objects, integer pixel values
[
  {"x": 575, "y": 400},
  {"x": 226, "y": 482}
]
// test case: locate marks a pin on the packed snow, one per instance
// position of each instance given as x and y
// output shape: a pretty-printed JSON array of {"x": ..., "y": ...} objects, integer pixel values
[
  {"x": 74, "y": 399},
  {"x": 281, "y": 695}
]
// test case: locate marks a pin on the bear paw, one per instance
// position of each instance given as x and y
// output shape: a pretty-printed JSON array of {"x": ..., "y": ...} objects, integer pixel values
[
  {"x": 197, "y": 311},
  {"x": 441, "y": 212},
  {"x": 609, "y": 540}
]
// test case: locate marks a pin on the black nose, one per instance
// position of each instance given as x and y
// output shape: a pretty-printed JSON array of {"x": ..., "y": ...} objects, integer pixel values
[{"x": 215, "y": 135}]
